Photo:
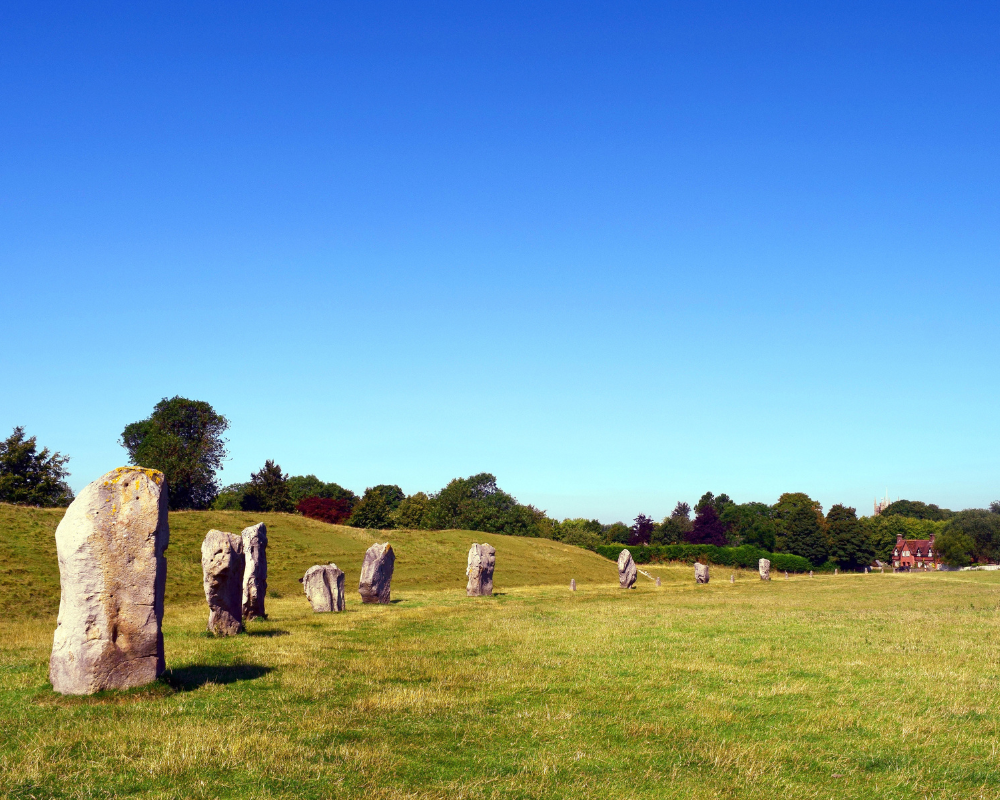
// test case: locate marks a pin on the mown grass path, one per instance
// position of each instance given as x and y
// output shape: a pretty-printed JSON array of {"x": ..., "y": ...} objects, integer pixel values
[{"x": 850, "y": 686}]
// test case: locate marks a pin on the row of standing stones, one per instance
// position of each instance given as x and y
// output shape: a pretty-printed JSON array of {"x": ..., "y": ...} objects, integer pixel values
[
  {"x": 112, "y": 573},
  {"x": 627, "y": 571}
]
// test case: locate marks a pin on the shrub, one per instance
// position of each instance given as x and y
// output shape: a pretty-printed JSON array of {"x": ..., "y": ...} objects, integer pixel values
[
  {"x": 326, "y": 509},
  {"x": 745, "y": 556}
]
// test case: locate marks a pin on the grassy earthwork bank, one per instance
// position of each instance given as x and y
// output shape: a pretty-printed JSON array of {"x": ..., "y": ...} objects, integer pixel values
[{"x": 854, "y": 686}]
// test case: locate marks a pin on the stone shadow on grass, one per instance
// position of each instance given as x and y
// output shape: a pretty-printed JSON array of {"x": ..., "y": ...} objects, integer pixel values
[
  {"x": 268, "y": 634},
  {"x": 186, "y": 679}
]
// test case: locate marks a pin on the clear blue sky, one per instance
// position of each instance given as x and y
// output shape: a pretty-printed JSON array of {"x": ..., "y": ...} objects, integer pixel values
[{"x": 617, "y": 254}]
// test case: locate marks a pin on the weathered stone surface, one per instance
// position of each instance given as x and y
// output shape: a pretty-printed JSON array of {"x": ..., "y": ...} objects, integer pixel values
[
  {"x": 222, "y": 567},
  {"x": 836, "y": 571},
  {"x": 786, "y": 574},
  {"x": 255, "y": 571},
  {"x": 112, "y": 573},
  {"x": 572, "y": 585},
  {"x": 658, "y": 581},
  {"x": 732, "y": 578},
  {"x": 482, "y": 559},
  {"x": 324, "y": 588},
  {"x": 627, "y": 571},
  {"x": 764, "y": 567},
  {"x": 810, "y": 573},
  {"x": 376, "y": 573},
  {"x": 701, "y": 573}
]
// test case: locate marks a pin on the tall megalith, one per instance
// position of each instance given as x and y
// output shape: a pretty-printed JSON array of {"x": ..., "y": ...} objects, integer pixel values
[
  {"x": 376, "y": 573},
  {"x": 222, "y": 565},
  {"x": 112, "y": 573},
  {"x": 324, "y": 588},
  {"x": 700, "y": 573},
  {"x": 482, "y": 560},
  {"x": 764, "y": 567},
  {"x": 255, "y": 571},
  {"x": 627, "y": 571}
]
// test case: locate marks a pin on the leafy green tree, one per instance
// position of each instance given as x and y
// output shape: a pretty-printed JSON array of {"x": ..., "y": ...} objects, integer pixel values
[
  {"x": 617, "y": 533},
  {"x": 883, "y": 531},
  {"x": 751, "y": 523},
  {"x": 787, "y": 504},
  {"x": 230, "y": 498},
  {"x": 412, "y": 510},
  {"x": 675, "y": 528},
  {"x": 303, "y": 486},
  {"x": 850, "y": 546},
  {"x": 995, "y": 507},
  {"x": 376, "y": 507},
  {"x": 32, "y": 477},
  {"x": 268, "y": 490},
  {"x": 916, "y": 510},
  {"x": 183, "y": 439},
  {"x": 588, "y": 533},
  {"x": 804, "y": 536},
  {"x": 476, "y": 503},
  {"x": 982, "y": 528},
  {"x": 954, "y": 547}
]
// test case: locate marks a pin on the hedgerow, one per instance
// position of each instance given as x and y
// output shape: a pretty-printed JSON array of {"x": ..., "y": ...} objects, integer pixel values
[{"x": 743, "y": 556}]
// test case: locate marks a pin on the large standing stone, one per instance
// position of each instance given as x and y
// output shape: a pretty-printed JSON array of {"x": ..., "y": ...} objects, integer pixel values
[
  {"x": 701, "y": 573},
  {"x": 764, "y": 566},
  {"x": 222, "y": 565},
  {"x": 324, "y": 587},
  {"x": 255, "y": 571},
  {"x": 112, "y": 573},
  {"x": 482, "y": 559},
  {"x": 626, "y": 570},
  {"x": 376, "y": 573}
]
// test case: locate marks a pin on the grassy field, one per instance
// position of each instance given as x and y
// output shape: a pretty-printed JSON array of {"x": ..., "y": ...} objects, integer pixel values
[{"x": 855, "y": 686}]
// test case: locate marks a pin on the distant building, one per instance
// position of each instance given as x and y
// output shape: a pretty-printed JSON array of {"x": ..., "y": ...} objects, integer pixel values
[
  {"x": 881, "y": 505},
  {"x": 914, "y": 554}
]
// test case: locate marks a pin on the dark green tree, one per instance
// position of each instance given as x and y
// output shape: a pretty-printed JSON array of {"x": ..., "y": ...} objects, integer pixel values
[
  {"x": 995, "y": 507},
  {"x": 376, "y": 507},
  {"x": 916, "y": 510},
  {"x": 617, "y": 533},
  {"x": 411, "y": 511},
  {"x": 32, "y": 477},
  {"x": 804, "y": 536},
  {"x": 787, "y": 504},
  {"x": 303, "y": 486},
  {"x": 476, "y": 503},
  {"x": 954, "y": 547},
  {"x": 850, "y": 546},
  {"x": 751, "y": 523},
  {"x": 982, "y": 528},
  {"x": 183, "y": 439},
  {"x": 675, "y": 528},
  {"x": 268, "y": 490}
]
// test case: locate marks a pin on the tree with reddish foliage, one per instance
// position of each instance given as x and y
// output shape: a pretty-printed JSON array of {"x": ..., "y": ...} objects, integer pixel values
[
  {"x": 707, "y": 527},
  {"x": 325, "y": 509},
  {"x": 642, "y": 530}
]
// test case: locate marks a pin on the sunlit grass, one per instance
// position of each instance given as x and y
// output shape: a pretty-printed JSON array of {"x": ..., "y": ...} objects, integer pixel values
[{"x": 849, "y": 686}]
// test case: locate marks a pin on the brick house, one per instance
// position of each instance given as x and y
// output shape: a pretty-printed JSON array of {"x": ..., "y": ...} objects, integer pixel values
[{"x": 914, "y": 554}]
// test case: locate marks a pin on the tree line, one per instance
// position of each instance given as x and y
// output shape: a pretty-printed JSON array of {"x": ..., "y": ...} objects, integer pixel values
[{"x": 184, "y": 439}]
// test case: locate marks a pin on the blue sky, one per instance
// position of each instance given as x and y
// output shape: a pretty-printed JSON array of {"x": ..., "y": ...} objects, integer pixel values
[{"x": 617, "y": 254}]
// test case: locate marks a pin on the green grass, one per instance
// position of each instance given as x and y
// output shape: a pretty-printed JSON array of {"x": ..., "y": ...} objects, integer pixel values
[{"x": 855, "y": 686}]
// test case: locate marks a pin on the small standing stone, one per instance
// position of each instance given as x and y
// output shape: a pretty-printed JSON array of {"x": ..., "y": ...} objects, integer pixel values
[
  {"x": 376, "y": 574},
  {"x": 764, "y": 567},
  {"x": 786, "y": 574},
  {"x": 701, "y": 573},
  {"x": 627, "y": 571},
  {"x": 482, "y": 559},
  {"x": 255, "y": 572},
  {"x": 810, "y": 573},
  {"x": 658, "y": 582},
  {"x": 222, "y": 565},
  {"x": 836, "y": 571},
  {"x": 732, "y": 578},
  {"x": 324, "y": 588},
  {"x": 112, "y": 573},
  {"x": 572, "y": 584}
]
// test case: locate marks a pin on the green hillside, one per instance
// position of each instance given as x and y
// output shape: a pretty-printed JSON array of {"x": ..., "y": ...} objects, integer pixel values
[{"x": 29, "y": 572}]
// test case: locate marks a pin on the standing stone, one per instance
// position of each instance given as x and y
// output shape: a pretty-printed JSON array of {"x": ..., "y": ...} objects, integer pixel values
[
  {"x": 376, "y": 573},
  {"x": 112, "y": 573},
  {"x": 786, "y": 574},
  {"x": 482, "y": 559},
  {"x": 701, "y": 573},
  {"x": 626, "y": 570},
  {"x": 255, "y": 572},
  {"x": 657, "y": 580},
  {"x": 764, "y": 567},
  {"x": 572, "y": 584},
  {"x": 810, "y": 573},
  {"x": 324, "y": 588},
  {"x": 836, "y": 572},
  {"x": 222, "y": 565},
  {"x": 732, "y": 578}
]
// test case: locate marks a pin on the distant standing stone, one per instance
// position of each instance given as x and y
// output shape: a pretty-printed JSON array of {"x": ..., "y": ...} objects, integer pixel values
[
  {"x": 222, "y": 566},
  {"x": 701, "y": 573},
  {"x": 255, "y": 572},
  {"x": 376, "y": 573},
  {"x": 482, "y": 559},
  {"x": 836, "y": 571},
  {"x": 810, "y": 573},
  {"x": 112, "y": 573},
  {"x": 732, "y": 578},
  {"x": 572, "y": 585},
  {"x": 324, "y": 588},
  {"x": 786, "y": 574},
  {"x": 657, "y": 580},
  {"x": 626, "y": 570},
  {"x": 764, "y": 567}
]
